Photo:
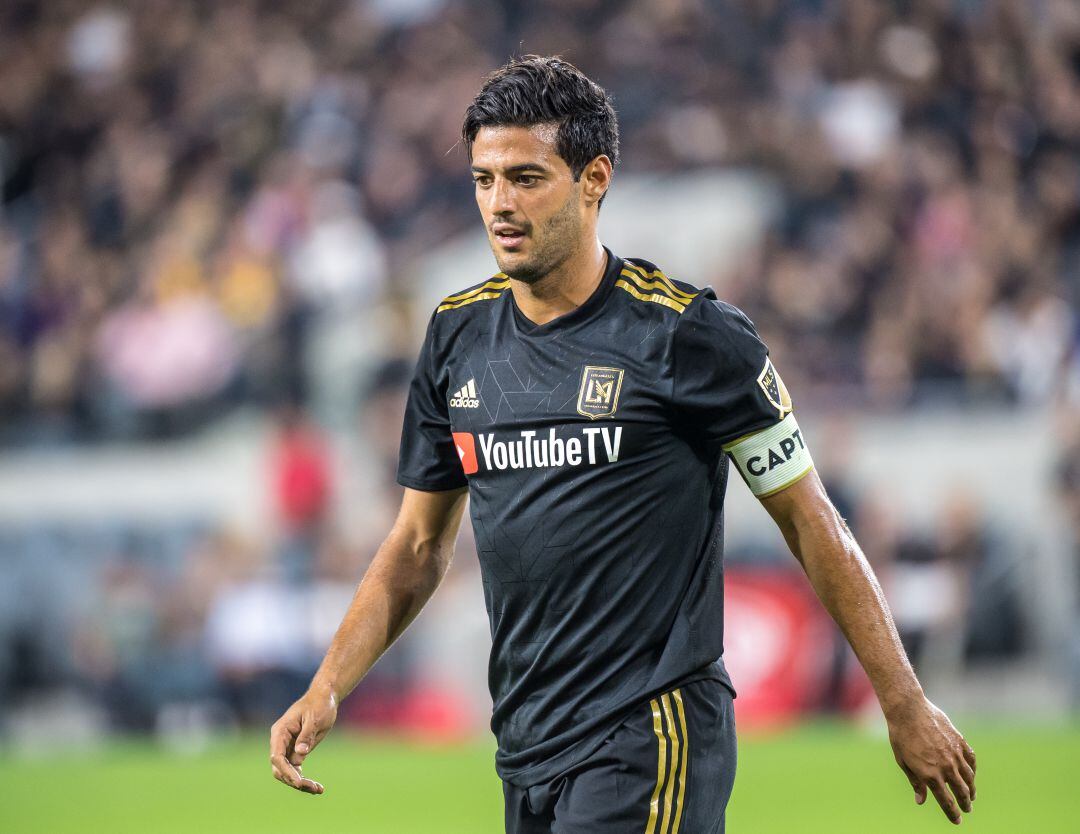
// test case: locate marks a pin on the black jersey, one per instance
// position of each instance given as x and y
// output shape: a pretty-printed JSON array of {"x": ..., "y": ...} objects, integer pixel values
[{"x": 593, "y": 449}]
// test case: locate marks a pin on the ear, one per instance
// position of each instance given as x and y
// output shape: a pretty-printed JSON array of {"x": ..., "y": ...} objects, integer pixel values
[{"x": 596, "y": 179}]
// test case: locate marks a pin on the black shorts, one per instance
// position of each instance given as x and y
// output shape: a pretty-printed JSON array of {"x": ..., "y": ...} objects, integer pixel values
[{"x": 668, "y": 768}]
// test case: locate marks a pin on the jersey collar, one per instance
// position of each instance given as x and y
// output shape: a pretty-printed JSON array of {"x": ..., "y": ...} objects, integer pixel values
[{"x": 583, "y": 312}]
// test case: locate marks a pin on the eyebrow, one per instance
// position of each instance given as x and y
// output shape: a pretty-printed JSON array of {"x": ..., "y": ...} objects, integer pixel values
[{"x": 513, "y": 169}]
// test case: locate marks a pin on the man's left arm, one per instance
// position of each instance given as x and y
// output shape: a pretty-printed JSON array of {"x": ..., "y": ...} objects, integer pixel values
[{"x": 928, "y": 748}]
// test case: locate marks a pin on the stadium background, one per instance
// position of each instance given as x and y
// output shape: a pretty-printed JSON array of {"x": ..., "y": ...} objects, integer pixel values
[{"x": 222, "y": 227}]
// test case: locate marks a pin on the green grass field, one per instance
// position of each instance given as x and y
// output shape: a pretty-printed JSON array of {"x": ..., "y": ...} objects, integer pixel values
[{"x": 822, "y": 778}]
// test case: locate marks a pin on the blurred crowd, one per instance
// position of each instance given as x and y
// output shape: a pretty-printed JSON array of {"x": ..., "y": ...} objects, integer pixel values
[
  {"x": 188, "y": 185},
  {"x": 188, "y": 627},
  {"x": 191, "y": 189},
  {"x": 192, "y": 624}
]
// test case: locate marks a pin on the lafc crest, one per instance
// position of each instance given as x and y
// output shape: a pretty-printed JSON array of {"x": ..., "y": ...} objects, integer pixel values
[
  {"x": 599, "y": 392},
  {"x": 775, "y": 390}
]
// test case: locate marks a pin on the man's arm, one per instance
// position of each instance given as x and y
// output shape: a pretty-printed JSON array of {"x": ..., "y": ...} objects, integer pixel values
[
  {"x": 929, "y": 750},
  {"x": 400, "y": 580}
]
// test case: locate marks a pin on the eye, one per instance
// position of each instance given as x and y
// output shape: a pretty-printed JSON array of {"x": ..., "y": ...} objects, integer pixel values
[
  {"x": 482, "y": 180},
  {"x": 528, "y": 179}
]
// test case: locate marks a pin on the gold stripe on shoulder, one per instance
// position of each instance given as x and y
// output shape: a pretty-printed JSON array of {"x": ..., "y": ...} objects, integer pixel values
[
  {"x": 656, "y": 297},
  {"x": 656, "y": 275},
  {"x": 654, "y": 287},
  {"x": 499, "y": 281},
  {"x": 482, "y": 296}
]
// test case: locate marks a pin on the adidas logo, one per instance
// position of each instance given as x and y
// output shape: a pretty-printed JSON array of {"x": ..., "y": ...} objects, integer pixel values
[{"x": 466, "y": 397}]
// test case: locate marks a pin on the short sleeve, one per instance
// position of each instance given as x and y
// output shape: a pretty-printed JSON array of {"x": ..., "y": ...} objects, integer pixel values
[
  {"x": 428, "y": 459},
  {"x": 724, "y": 383},
  {"x": 726, "y": 388}
]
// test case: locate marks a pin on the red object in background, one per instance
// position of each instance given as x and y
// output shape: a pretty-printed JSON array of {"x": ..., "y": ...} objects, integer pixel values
[
  {"x": 780, "y": 648},
  {"x": 301, "y": 476},
  {"x": 424, "y": 711}
]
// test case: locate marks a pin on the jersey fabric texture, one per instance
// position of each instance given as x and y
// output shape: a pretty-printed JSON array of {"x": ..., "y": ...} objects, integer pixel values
[
  {"x": 592, "y": 447},
  {"x": 668, "y": 768}
]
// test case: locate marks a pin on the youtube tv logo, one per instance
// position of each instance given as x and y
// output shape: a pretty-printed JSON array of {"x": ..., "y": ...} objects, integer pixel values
[
  {"x": 536, "y": 449},
  {"x": 465, "y": 444}
]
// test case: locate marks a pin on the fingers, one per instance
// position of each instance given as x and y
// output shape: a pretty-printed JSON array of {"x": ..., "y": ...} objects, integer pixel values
[
  {"x": 282, "y": 747},
  {"x": 960, "y": 790},
  {"x": 953, "y": 791},
  {"x": 968, "y": 775},
  {"x": 312, "y": 787},
  {"x": 952, "y": 786},
  {"x": 284, "y": 771},
  {"x": 945, "y": 800},
  {"x": 969, "y": 759},
  {"x": 280, "y": 741},
  {"x": 279, "y": 735},
  {"x": 916, "y": 784},
  {"x": 306, "y": 740},
  {"x": 309, "y": 785},
  {"x": 936, "y": 759}
]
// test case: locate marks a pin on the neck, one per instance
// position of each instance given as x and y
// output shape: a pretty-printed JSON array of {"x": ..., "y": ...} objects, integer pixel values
[{"x": 563, "y": 289}]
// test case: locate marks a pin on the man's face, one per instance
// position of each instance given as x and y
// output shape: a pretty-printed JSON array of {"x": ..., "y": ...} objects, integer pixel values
[{"x": 531, "y": 205}]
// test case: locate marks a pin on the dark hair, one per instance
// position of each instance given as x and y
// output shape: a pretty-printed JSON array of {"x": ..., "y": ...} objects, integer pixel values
[{"x": 535, "y": 90}]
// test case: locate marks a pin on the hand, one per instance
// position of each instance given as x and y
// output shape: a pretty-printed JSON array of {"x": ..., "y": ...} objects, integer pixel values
[
  {"x": 934, "y": 756},
  {"x": 295, "y": 735}
]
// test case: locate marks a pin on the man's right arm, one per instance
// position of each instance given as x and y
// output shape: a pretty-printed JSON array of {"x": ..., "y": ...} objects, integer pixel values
[{"x": 401, "y": 579}]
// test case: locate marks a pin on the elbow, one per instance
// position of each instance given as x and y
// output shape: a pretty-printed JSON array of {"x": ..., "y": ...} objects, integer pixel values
[
  {"x": 815, "y": 529},
  {"x": 418, "y": 560},
  {"x": 433, "y": 558},
  {"x": 817, "y": 520}
]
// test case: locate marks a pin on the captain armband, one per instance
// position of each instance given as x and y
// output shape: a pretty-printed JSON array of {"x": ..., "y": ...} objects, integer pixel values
[{"x": 772, "y": 459}]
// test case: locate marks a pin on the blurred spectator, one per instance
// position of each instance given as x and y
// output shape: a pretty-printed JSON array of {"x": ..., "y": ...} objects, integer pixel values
[
  {"x": 989, "y": 582},
  {"x": 303, "y": 490},
  {"x": 925, "y": 594},
  {"x": 383, "y": 406},
  {"x": 1068, "y": 483},
  {"x": 256, "y": 643}
]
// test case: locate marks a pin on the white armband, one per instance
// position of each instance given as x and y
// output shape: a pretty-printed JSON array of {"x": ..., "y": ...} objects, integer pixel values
[{"x": 772, "y": 459}]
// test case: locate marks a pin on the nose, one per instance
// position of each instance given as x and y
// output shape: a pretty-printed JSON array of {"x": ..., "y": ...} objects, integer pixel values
[{"x": 501, "y": 196}]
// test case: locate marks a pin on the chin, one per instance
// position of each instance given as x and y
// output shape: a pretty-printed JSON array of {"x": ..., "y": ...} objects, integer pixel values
[
  {"x": 521, "y": 270},
  {"x": 518, "y": 266}
]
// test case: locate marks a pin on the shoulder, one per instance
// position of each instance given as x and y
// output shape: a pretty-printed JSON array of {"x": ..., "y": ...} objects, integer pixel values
[
  {"x": 717, "y": 319},
  {"x": 692, "y": 309},
  {"x": 645, "y": 282},
  {"x": 486, "y": 290},
  {"x": 719, "y": 335},
  {"x": 459, "y": 315}
]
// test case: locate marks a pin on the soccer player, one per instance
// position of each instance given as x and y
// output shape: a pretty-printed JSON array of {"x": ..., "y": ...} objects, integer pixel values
[{"x": 588, "y": 405}]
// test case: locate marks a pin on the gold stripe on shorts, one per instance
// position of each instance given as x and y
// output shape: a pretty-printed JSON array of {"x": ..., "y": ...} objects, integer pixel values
[
  {"x": 681, "y": 710},
  {"x": 674, "y": 736},
  {"x": 661, "y": 766},
  {"x": 669, "y": 717}
]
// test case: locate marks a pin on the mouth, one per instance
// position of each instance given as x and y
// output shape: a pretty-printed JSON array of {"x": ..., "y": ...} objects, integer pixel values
[{"x": 508, "y": 236}]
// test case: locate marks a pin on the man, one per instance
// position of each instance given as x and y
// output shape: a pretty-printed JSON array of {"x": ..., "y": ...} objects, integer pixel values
[{"x": 588, "y": 404}]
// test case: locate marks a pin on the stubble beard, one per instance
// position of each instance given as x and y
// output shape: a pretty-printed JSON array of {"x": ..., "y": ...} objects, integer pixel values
[{"x": 558, "y": 238}]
